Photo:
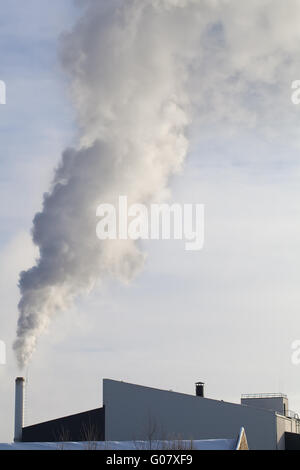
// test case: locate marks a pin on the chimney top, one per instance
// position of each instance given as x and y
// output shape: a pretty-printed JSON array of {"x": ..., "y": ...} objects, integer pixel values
[{"x": 200, "y": 389}]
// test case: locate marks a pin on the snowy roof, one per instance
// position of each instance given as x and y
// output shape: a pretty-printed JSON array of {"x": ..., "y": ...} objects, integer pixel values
[{"x": 211, "y": 444}]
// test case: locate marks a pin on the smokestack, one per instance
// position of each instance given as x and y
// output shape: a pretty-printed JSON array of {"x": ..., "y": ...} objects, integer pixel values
[
  {"x": 200, "y": 389},
  {"x": 19, "y": 408}
]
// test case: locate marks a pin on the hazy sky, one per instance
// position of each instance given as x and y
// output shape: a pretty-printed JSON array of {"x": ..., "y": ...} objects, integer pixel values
[{"x": 226, "y": 315}]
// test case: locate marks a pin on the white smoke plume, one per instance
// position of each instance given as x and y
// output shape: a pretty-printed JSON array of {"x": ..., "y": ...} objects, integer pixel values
[
  {"x": 139, "y": 70},
  {"x": 129, "y": 93}
]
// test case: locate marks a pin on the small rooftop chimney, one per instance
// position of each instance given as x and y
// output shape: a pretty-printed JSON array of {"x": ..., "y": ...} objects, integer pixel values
[
  {"x": 200, "y": 389},
  {"x": 19, "y": 408}
]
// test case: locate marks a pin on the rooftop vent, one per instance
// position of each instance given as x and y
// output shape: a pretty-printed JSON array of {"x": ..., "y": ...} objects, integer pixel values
[{"x": 200, "y": 389}]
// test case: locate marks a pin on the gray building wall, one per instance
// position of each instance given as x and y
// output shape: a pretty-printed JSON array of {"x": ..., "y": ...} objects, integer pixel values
[
  {"x": 284, "y": 425},
  {"x": 278, "y": 404},
  {"x": 134, "y": 412}
]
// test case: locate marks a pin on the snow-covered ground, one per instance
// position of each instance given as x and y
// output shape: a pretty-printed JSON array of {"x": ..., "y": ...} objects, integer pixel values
[{"x": 213, "y": 444}]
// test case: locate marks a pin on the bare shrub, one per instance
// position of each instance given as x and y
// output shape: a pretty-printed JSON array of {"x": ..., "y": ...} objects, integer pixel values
[
  {"x": 62, "y": 437},
  {"x": 90, "y": 436}
]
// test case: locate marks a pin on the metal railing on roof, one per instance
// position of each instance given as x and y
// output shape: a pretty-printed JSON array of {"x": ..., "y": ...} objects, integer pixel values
[
  {"x": 264, "y": 395},
  {"x": 292, "y": 414}
]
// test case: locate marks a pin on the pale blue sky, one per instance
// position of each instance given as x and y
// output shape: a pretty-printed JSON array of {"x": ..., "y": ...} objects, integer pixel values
[{"x": 36, "y": 120}]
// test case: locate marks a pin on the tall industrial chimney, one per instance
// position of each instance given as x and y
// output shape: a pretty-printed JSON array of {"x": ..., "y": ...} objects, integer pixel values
[
  {"x": 19, "y": 408},
  {"x": 200, "y": 389}
]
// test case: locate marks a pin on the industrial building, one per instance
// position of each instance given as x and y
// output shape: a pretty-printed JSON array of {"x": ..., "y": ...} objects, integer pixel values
[{"x": 137, "y": 413}]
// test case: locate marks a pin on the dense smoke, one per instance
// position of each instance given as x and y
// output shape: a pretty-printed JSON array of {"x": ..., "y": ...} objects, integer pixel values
[
  {"x": 139, "y": 71},
  {"x": 128, "y": 86}
]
